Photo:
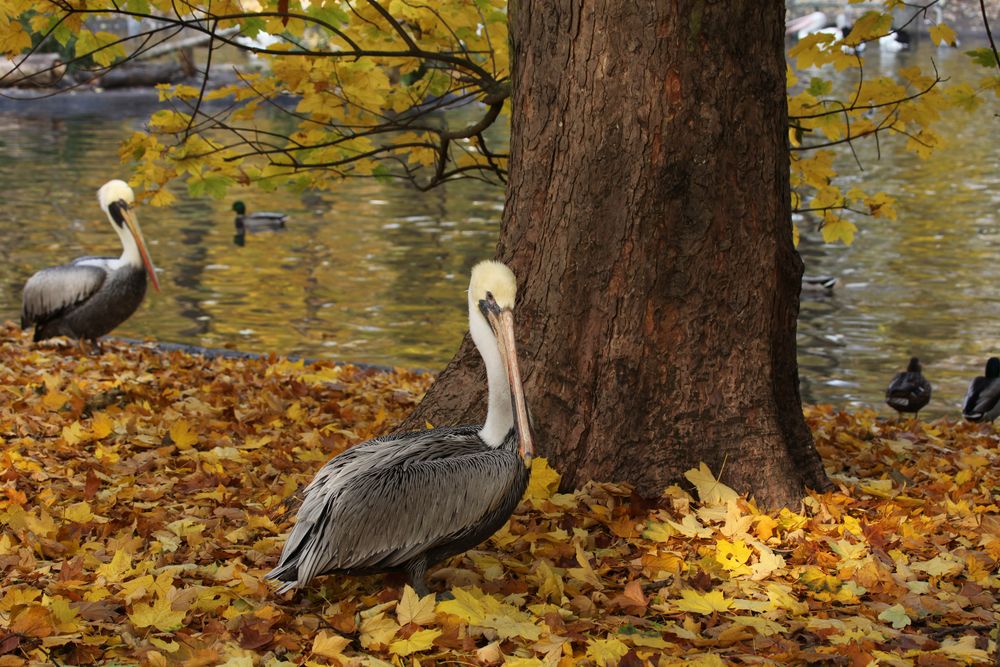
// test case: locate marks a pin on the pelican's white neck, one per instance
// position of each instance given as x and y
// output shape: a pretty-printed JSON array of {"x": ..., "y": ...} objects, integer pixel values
[
  {"x": 130, "y": 249},
  {"x": 500, "y": 411}
]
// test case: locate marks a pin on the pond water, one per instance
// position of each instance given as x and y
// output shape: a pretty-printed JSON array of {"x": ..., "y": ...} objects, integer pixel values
[{"x": 376, "y": 272}]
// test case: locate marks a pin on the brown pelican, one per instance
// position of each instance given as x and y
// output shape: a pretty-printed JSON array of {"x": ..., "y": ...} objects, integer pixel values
[
  {"x": 90, "y": 296},
  {"x": 909, "y": 391},
  {"x": 405, "y": 502},
  {"x": 982, "y": 403}
]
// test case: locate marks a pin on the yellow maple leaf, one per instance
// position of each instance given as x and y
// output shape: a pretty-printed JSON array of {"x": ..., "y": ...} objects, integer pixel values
[
  {"x": 16, "y": 597},
  {"x": 550, "y": 583},
  {"x": 767, "y": 563},
  {"x": 733, "y": 556},
  {"x": 415, "y": 609},
  {"x": 896, "y": 615},
  {"x": 710, "y": 489},
  {"x": 689, "y": 526},
  {"x": 420, "y": 640},
  {"x": 66, "y": 618},
  {"x": 938, "y": 566},
  {"x": 585, "y": 572},
  {"x": 941, "y": 33},
  {"x": 32, "y": 621},
  {"x": 136, "y": 588},
  {"x": 765, "y": 627},
  {"x": 158, "y": 615},
  {"x": 839, "y": 230},
  {"x": 78, "y": 513},
  {"x": 181, "y": 434},
  {"x": 54, "y": 400},
  {"x": 117, "y": 568},
  {"x": 74, "y": 433},
  {"x": 476, "y": 608},
  {"x": 330, "y": 645},
  {"x": 377, "y": 630},
  {"x": 101, "y": 426},
  {"x": 703, "y": 603},
  {"x": 606, "y": 652},
  {"x": 544, "y": 481},
  {"x": 657, "y": 531},
  {"x": 965, "y": 649}
]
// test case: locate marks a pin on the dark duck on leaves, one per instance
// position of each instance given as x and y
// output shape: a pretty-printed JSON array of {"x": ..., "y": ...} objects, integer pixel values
[
  {"x": 909, "y": 391},
  {"x": 982, "y": 402}
]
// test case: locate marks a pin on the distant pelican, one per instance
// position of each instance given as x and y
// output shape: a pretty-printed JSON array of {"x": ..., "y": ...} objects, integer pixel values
[
  {"x": 982, "y": 402},
  {"x": 405, "y": 502},
  {"x": 909, "y": 391},
  {"x": 90, "y": 296},
  {"x": 259, "y": 221}
]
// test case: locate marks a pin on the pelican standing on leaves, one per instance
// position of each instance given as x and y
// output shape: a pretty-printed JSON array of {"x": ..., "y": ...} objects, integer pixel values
[
  {"x": 405, "y": 502},
  {"x": 90, "y": 296}
]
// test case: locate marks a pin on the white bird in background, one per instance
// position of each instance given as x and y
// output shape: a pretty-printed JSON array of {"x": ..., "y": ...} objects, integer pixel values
[{"x": 90, "y": 296}]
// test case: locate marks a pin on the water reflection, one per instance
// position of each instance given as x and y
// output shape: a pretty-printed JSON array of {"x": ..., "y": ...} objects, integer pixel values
[
  {"x": 923, "y": 284},
  {"x": 376, "y": 271}
]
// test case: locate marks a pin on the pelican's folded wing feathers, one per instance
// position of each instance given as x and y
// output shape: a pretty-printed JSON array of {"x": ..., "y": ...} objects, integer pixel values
[
  {"x": 51, "y": 291},
  {"x": 359, "y": 516}
]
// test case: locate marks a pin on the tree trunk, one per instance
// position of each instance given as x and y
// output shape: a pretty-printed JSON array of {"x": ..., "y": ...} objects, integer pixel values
[{"x": 648, "y": 223}]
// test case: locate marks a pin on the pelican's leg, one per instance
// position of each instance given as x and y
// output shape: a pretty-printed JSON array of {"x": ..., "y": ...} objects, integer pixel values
[{"x": 416, "y": 570}]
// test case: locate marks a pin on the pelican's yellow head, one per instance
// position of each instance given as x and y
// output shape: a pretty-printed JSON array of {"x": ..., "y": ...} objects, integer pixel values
[
  {"x": 115, "y": 191},
  {"x": 492, "y": 291},
  {"x": 493, "y": 281},
  {"x": 117, "y": 201}
]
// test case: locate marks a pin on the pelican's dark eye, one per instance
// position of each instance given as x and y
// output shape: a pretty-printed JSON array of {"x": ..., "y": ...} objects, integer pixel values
[
  {"x": 489, "y": 295},
  {"x": 116, "y": 208}
]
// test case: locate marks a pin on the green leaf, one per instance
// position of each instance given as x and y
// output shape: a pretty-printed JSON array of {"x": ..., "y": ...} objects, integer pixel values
[
  {"x": 252, "y": 27},
  {"x": 328, "y": 14},
  {"x": 100, "y": 46},
  {"x": 819, "y": 87},
  {"x": 63, "y": 34},
  {"x": 213, "y": 185},
  {"x": 137, "y": 6},
  {"x": 984, "y": 57}
]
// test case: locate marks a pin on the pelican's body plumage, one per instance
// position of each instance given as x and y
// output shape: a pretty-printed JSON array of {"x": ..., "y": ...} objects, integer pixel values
[
  {"x": 909, "y": 391},
  {"x": 381, "y": 507},
  {"x": 982, "y": 402},
  {"x": 90, "y": 296},
  {"x": 405, "y": 502}
]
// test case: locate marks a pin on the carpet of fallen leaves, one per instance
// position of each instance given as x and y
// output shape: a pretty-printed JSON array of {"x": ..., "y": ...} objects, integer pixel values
[{"x": 141, "y": 503}]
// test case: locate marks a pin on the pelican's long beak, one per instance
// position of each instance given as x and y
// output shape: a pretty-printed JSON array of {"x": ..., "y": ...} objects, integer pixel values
[
  {"x": 133, "y": 227},
  {"x": 502, "y": 323}
]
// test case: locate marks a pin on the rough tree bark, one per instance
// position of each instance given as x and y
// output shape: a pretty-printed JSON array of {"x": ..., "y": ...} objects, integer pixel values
[{"x": 648, "y": 223}]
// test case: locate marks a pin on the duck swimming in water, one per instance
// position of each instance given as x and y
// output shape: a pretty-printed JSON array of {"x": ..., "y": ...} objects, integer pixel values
[{"x": 259, "y": 221}]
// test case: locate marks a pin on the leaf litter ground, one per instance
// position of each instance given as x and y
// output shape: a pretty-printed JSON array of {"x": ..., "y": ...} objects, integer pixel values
[{"x": 143, "y": 497}]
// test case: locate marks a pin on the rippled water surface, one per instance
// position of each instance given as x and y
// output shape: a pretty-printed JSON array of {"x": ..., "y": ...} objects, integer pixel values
[{"x": 375, "y": 272}]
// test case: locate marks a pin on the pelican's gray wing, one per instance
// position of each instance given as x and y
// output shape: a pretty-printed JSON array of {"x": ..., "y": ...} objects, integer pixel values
[
  {"x": 375, "y": 512},
  {"x": 51, "y": 291}
]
